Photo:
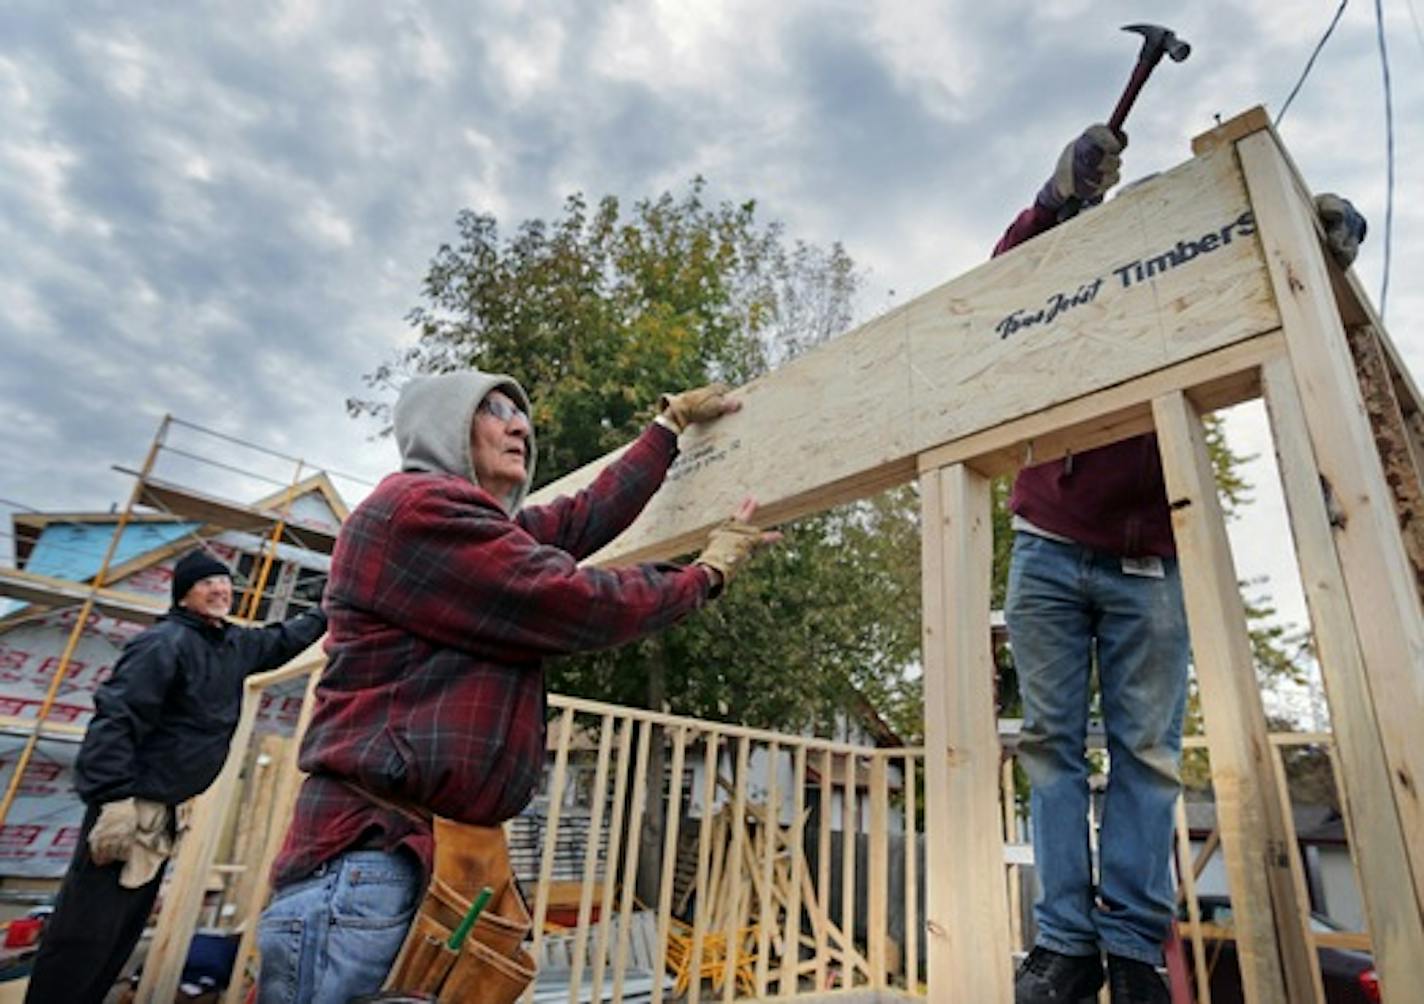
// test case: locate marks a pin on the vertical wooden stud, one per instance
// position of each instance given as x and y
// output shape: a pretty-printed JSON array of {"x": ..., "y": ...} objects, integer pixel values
[
  {"x": 967, "y": 906},
  {"x": 1378, "y": 836},
  {"x": 1277, "y": 961}
]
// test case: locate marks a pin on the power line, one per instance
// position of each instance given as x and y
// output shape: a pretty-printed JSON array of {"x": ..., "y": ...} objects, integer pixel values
[
  {"x": 1311, "y": 61},
  {"x": 1389, "y": 154}
]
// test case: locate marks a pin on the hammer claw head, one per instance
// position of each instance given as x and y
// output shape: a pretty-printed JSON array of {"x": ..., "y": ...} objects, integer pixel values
[{"x": 1158, "y": 41}]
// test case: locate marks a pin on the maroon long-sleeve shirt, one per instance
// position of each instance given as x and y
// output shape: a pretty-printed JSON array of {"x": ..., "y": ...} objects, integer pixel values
[
  {"x": 1111, "y": 499},
  {"x": 442, "y": 610}
]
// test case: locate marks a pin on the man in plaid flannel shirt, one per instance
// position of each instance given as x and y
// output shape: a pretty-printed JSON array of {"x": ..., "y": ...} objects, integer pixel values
[{"x": 444, "y": 598}]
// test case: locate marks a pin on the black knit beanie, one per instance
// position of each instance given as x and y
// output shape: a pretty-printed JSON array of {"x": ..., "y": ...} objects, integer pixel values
[{"x": 192, "y": 567}]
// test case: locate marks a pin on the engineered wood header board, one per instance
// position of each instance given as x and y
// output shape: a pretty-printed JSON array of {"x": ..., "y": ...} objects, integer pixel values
[{"x": 1166, "y": 271}]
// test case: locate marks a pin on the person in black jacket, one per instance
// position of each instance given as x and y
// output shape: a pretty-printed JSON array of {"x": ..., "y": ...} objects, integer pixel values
[{"x": 160, "y": 733}]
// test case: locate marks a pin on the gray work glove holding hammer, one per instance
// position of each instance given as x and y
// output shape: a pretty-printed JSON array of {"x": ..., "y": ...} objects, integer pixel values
[{"x": 1086, "y": 169}]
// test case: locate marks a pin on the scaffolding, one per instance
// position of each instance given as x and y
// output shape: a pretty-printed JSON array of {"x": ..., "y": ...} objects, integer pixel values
[{"x": 162, "y": 490}]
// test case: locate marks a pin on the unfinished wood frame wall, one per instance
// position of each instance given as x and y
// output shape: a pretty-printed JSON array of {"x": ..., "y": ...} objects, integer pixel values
[
  {"x": 753, "y": 892},
  {"x": 1201, "y": 288}
]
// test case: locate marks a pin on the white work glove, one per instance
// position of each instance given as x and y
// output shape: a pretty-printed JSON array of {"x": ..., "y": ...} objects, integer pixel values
[
  {"x": 1086, "y": 169},
  {"x": 112, "y": 837}
]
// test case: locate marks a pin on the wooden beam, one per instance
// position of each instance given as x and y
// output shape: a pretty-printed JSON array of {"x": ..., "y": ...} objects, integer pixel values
[
  {"x": 912, "y": 880},
  {"x": 1159, "y": 275},
  {"x": 176, "y": 499},
  {"x": 1187, "y": 890},
  {"x": 672, "y": 820},
  {"x": 1394, "y": 442},
  {"x": 590, "y": 857},
  {"x": 1379, "y": 582},
  {"x": 791, "y": 953},
  {"x": 49, "y": 591},
  {"x": 877, "y": 867},
  {"x": 284, "y": 801},
  {"x": 615, "y": 844},
  {"x": 630, "y": 861},
  {"x": 1253, "y": 119},
  {"x": 966, "y": 916},
  {"x": 184, "y": 897},
  {"x": 1217, "y": 380},
  {"x": 1378, "y": 840},
  {"x": 1276, "y": 959}
]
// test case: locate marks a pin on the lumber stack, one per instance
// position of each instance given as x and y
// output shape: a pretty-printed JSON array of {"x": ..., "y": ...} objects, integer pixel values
[{"x": 757, "y": 895}]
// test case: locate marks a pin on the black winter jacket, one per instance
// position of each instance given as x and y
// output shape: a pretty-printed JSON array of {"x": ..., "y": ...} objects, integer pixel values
[{"x": 164, "y": 718}]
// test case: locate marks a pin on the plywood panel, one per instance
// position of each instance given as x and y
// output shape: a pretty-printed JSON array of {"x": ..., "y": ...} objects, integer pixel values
[{"x": 1166, "y": 272}]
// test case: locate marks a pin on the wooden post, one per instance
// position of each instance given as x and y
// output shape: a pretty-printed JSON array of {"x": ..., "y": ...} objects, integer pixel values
[
  {"x": 850, "y": 833},
  {"x": 732, "y": 931},
  {"x": 1394, "y": 440},
  {"x": 1378, "y": 838},
  {"x": 1276, "y": 956},
  {"x": 766, "y": 911},
  {"x": 630, "y": 861},
  {"x": 877, "y": 866},
  {"x": 912, "y": 881},
  {"x": 284, "y": 801},
  {"x": 184, "y": 898},
  {"x": 1187, "y": 884},
  {"x": 615, "y": 844},
  {"x": 703, "y": 914},
  {"x": 791, "y": 952},
  {"x": 967, "y": 910},
  {"x": 672, "y": 820},
  {"x": 551, "y": 835},
  {"x": 823, "y": 872},
  {"x": 590, "y": 859},
  {"x": 1380, "y": 584}
]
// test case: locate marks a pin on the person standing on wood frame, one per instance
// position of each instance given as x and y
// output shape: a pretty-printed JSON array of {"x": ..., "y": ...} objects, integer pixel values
[
  {"x": 446, "y": 595},
  {"x": 1093, "y": 581},
  {"x": 160, "y": 733}
]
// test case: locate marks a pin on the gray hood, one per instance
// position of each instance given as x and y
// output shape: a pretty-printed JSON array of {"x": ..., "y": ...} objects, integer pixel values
[{"x": 433, "y": 417}]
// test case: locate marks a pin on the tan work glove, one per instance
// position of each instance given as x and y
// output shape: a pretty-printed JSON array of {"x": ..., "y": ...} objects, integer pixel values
[
  {"x": 114, "y": 832},
  {"x": 153, "y": 842},
  {"x": 700, "y": 405},
  {"x": 730, "y": 544}
]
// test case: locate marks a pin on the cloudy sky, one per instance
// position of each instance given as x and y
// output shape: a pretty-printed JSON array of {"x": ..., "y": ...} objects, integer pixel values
[{"x": 223, "y": 211}]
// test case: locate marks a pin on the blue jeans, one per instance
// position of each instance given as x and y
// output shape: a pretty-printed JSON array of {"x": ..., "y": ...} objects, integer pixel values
[
  {"x": 335, "y": 934},
  {"x": 1064, "y": 603}
]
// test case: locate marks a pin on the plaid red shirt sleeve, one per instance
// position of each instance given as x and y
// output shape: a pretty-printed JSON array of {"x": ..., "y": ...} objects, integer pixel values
[
  {"x": 459, "y": 573},
  {"x": 586, "y": 521}
]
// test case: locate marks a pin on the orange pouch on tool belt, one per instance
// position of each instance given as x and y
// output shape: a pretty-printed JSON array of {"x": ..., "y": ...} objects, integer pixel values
[{"x": 490, "y": 967}]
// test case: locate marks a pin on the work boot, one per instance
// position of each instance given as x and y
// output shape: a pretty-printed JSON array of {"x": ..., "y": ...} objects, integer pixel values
[
  {"x": 1049, "y": 977},
  {"x": 1133, "y": 982}
]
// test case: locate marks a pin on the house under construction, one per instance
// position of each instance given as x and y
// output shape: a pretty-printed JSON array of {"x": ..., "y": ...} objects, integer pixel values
[{"x": 779, "y": 908}]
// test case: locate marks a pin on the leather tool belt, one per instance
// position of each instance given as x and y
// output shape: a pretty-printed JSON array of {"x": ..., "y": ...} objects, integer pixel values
[{"x": 491, "y": 966}]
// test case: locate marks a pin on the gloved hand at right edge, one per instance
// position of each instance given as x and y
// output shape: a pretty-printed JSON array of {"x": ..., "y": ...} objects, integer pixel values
[
  {"x": 114, "y": 832},
  {"x": 1086, "y": 169},
  {"x": 730, "y": 544},
  {"x": 1344, "y": 227}
]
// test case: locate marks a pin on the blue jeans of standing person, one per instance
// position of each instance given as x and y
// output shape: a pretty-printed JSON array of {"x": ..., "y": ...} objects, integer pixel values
[
  {"x": 335, "y": 934},
  {"x": 1066, "y": 602}
]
